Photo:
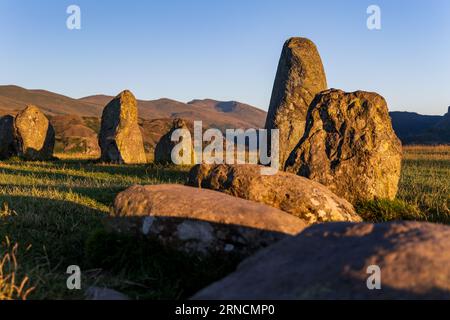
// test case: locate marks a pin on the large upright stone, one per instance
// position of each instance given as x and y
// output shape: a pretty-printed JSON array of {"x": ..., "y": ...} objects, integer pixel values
[
  {"x": 120, "y": 138},
  {"x": 165, "y": 146},
  {"x": 33, "y": 134},
  {"x": 7, "y": 148},
  {"x": 299, "y": 78},
  {"x": 349, "y": 146}
]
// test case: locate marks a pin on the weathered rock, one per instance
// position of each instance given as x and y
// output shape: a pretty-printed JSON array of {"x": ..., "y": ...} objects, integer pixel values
[
  {"x": 200, "y": 221},
  {"x": 296, "y": 195},
  {"x": 104, "y": 294},
  {"x": 350, "y": 146},
  {"x": 331, "y": 261},
  {"x": 163, "y": 149},
  {"x": 7, "y": 148},
  {"x": 33, "y": 134},
  {"x": 120, "y": 138},
  {"x": 300, "y": 76}
]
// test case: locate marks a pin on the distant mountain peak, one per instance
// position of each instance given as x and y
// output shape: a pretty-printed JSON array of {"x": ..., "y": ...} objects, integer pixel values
[{"x": 217, "y": 114}]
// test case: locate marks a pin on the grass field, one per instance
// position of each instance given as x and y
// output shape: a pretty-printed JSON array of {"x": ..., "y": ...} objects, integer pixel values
[{"x": 53, "y": 211}]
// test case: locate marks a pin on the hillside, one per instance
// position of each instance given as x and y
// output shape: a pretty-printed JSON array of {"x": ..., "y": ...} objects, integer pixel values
[
  {"x": 14, "y": 98},
  {"x": 413, "y": 128},
  {"x": 77, "y": 121},
  {"x": 217, "y": 114},
  {"x": 213, "y": 113}
]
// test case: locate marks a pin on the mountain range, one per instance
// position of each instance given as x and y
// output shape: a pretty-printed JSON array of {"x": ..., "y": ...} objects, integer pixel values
[
  {"x": 414, "y": 128},
  {"x": 217, "y": 114},
  {"x": 77, "y": 121}
]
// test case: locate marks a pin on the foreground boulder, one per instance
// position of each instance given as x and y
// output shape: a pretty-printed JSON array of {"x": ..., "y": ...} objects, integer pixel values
[
  {"x": 33, "y": 134},
  {"x": 104, "y": 294},
  {"x": 350, "y": 146},
  {"x": 300, "y": 76},
  {"x": 120, "y": 138},
  {"x": 7, "y": 148},
  {"x": 163, "y": 149},
  {"x": 200, "y": 221},
  {"x": 331, "y": 261},
  {"x": 296, "y": 195}
]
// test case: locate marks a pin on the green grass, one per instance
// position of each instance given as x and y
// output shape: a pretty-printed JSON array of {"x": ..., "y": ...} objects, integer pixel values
[
  {"x": 54, "y": 211},
  {"x": 425, "y": 181},
  {"x": 424, "y": 189},
  {"x": 382, "y": 210},
  {"x": 51, "y": 208}
]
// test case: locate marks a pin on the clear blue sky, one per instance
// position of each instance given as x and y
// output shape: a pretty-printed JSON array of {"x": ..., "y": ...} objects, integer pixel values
[{"x": 226, "y": 49}]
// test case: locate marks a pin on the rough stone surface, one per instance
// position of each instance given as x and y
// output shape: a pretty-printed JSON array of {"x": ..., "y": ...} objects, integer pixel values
[
  {"x": 200, "y": 221},
  {"x": 7, "y": 148},
  {"x": 330, "y": 261},
  {"x": 296, "y": 195},
  {"x": 104, "y": 294},
  {"x": 33, "y": 134},
  {"x": 120, "y": 138},
  {"x": 300, "y": 76},
  {"x": 163, "y": 149},
  {"x": 350, "y": 146}
]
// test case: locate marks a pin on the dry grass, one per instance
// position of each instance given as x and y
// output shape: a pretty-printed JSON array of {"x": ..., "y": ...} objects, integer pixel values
[{"x": 11, "y": 287}]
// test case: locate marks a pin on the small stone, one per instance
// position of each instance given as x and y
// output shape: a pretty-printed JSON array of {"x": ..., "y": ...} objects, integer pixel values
[
  {"x": 163, "y": 149},
  {"x": 34, "y": 135}
]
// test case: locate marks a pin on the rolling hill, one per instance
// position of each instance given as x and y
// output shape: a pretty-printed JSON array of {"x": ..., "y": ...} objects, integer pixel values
[
  {"x": 213, "y": 113},
  {"x": 414, "y": 128},
  {"x": 77, "y": 121}
]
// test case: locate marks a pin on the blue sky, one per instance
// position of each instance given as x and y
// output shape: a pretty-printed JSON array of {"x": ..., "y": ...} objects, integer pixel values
[{"x": 226, "y": 49}]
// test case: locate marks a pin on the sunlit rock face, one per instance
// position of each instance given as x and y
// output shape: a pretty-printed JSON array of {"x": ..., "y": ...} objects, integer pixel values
[
  {"x": 301, "y": 197},
  {"x": 200, "y": 221},
  {"x": 33, "y": 134},
  {"x": 300, "y": 76},
  {"x": 120, "y": 138},
  {"x": 349, "y": 146}
]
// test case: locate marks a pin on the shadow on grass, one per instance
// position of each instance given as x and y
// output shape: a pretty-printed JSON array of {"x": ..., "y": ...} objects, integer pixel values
[{"x": 56, "y": 229}]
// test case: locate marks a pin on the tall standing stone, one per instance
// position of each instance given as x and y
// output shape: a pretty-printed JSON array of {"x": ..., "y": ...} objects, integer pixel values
[
  {"x": 120, "y": 138},
  {"x": 33, "y": 134},
  {"x": 299, "y": 78},
  {"x": 349, "y": 146},
  {"x": 7, "y": 148}
]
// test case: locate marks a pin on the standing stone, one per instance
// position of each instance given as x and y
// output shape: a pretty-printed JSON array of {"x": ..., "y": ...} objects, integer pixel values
[
  {"x": 120, "y": 138},
  {"x": 163, "y": 149},
  {"x": 299, "y": 78},
  {"x": 6, "y": 137},
  {"x": 34, "y": 135},
  {"x": 349, "y": 146}
]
